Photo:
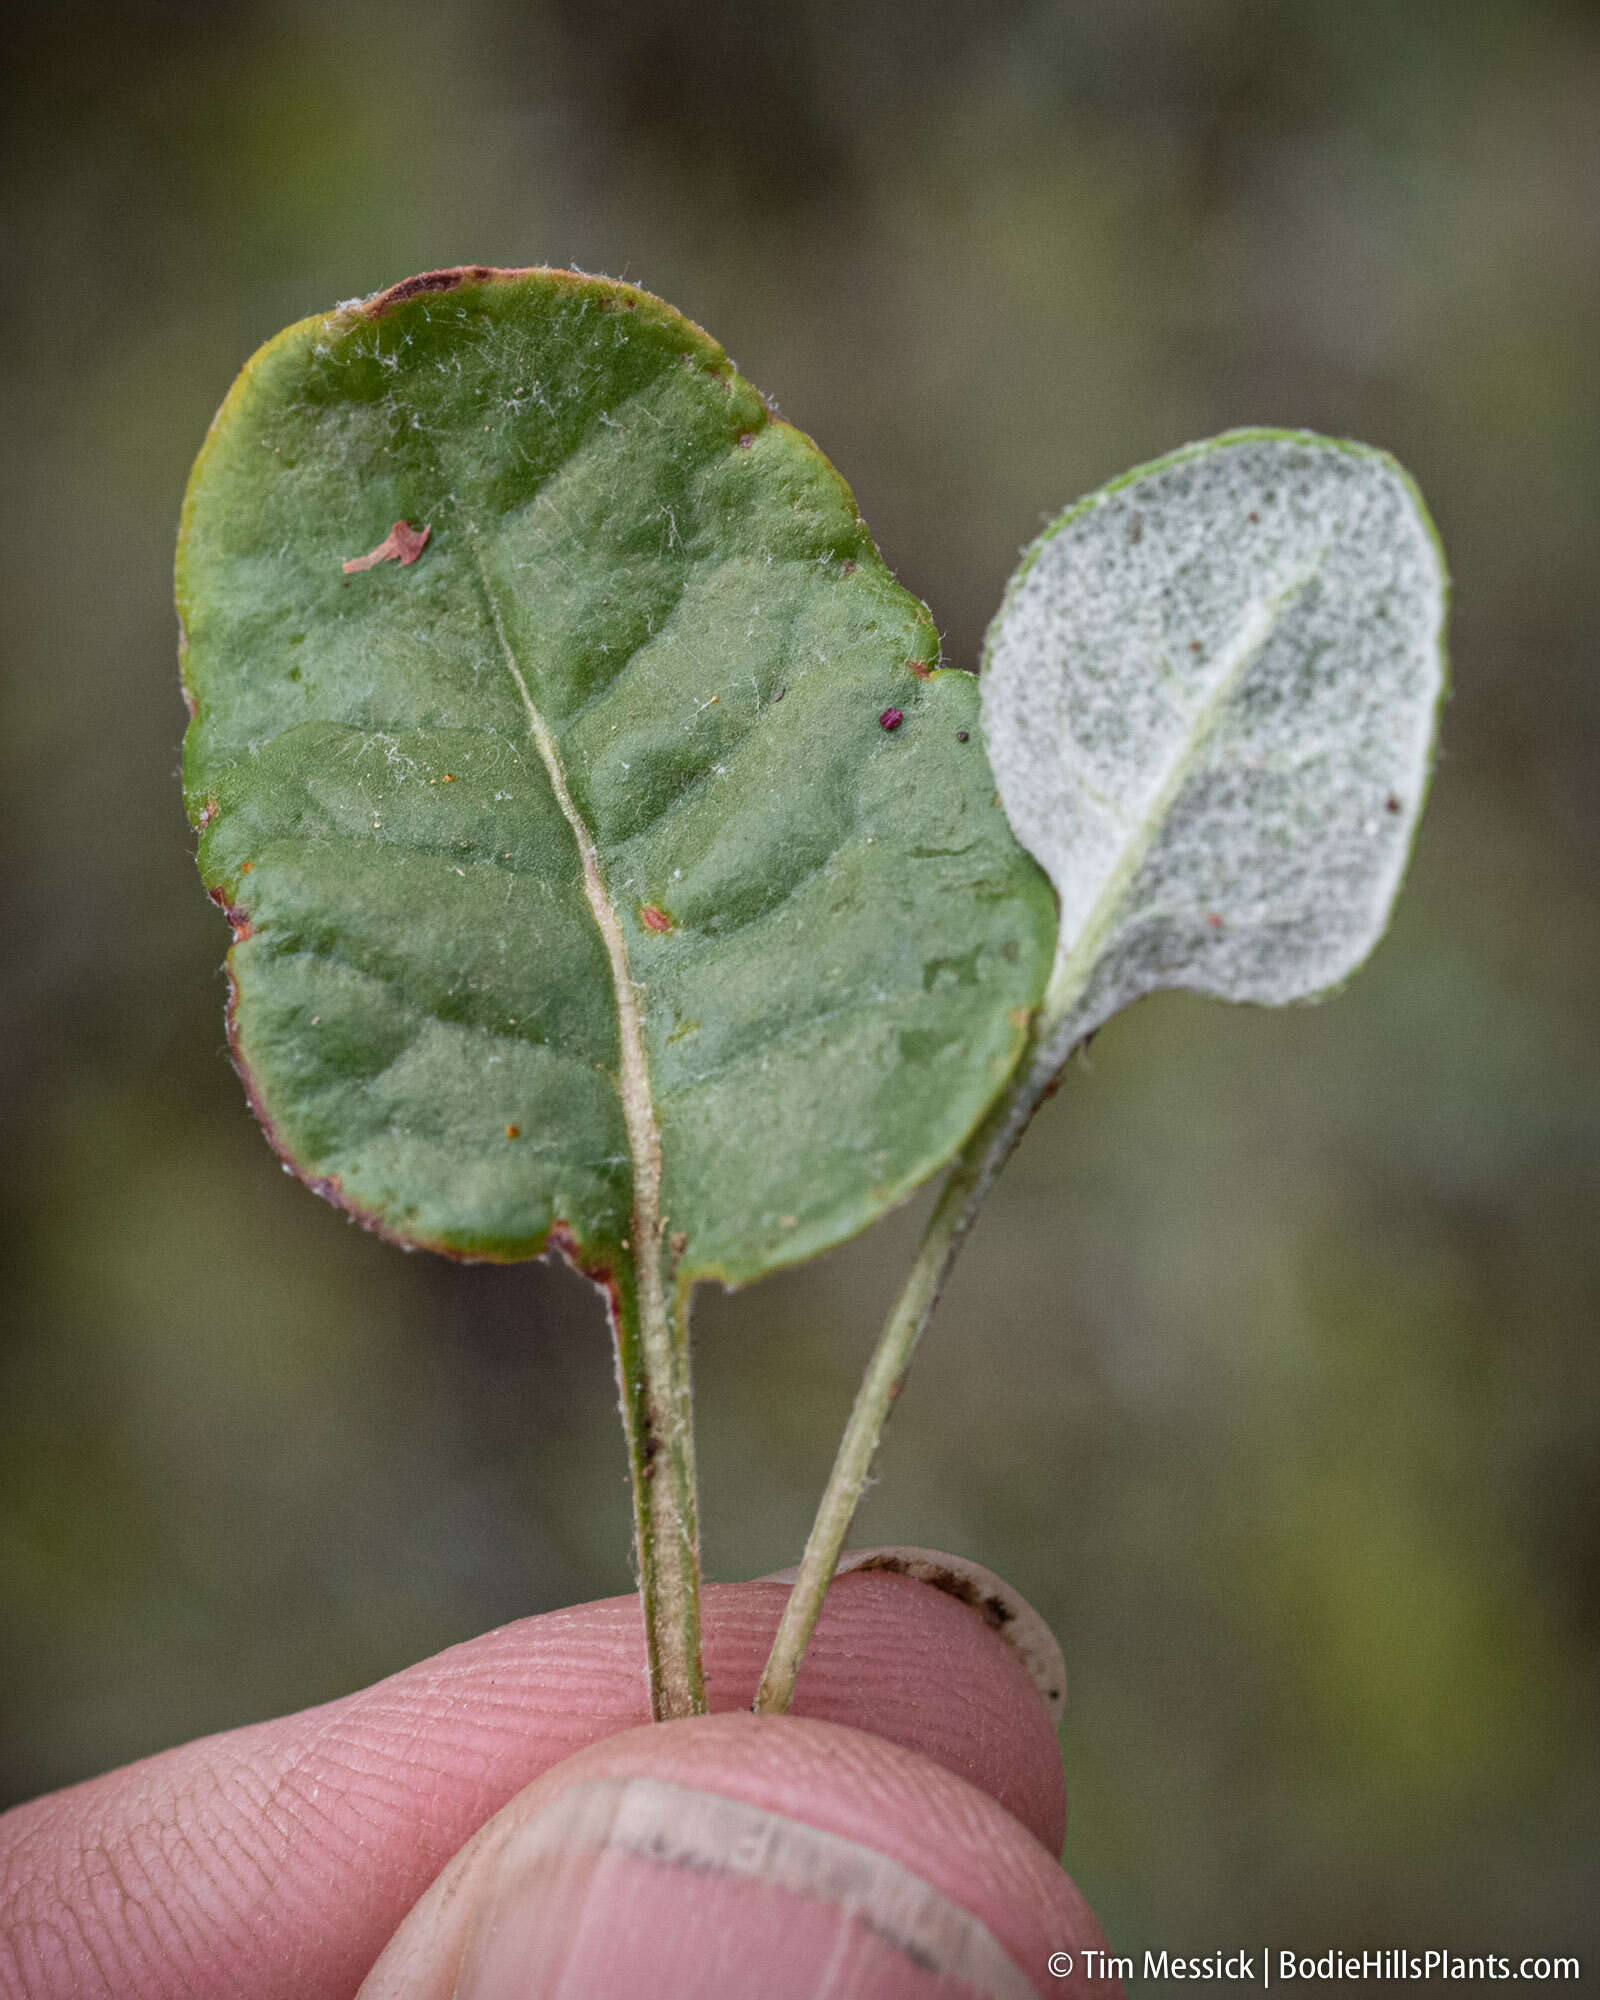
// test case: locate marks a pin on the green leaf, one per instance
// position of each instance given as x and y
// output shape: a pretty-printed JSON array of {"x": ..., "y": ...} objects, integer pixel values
[
  {"x": 1209, "y": 698},
  {"x": 577, "y": 885}
]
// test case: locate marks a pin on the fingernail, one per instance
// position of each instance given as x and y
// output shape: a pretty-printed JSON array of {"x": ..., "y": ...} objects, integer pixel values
[
  {"x": 995, "y": 1601},
  {"x": 625, "y": 1886}
]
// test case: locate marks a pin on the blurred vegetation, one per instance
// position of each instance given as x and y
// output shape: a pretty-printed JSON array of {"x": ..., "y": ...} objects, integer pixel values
[{"x": 1271, "y": 1374}]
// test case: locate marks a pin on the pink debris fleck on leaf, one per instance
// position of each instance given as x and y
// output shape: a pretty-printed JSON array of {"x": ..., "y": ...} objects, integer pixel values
[
  {"x": 403, "y": 544},
  {"x": 892, "y": 718},
  {"x": 654, "y": 919}
]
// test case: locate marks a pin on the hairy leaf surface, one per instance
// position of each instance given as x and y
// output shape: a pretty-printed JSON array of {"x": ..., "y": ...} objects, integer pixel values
[
  {"x": 566, "y": 853},
  {"x": 1209, "y": 698}
]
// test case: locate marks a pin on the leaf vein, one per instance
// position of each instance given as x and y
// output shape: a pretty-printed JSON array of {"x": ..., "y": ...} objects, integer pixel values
[{"x": 633, "y": 1081}]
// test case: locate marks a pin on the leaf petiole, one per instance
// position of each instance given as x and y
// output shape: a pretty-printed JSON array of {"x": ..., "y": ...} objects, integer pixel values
[
  {"x": 975, "y": 1171},
  {"x": 650, "y": 1335}
]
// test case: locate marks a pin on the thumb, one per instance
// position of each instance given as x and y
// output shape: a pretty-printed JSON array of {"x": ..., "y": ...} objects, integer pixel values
[{"x": 738, "y": 1854}]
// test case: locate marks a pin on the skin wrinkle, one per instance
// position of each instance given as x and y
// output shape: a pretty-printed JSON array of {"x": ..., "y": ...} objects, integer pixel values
[
  {"x": 288, "y": 1783},
  {"x": 167, "y": 1850},
  {"x": 242, "y": 1884},
  {"x": 194, "y": 1861},
  {"x": 225, "y": 1826},
  {"x": 144, "y": 1928},
  {"x": 45, "y": 1933},
  {"x": 113, "y": 1913}
]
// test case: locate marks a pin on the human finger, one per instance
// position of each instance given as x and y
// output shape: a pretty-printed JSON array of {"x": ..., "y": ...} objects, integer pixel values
[
  {"x": 735, "y": 1855},
  {"x": 275, "y": 1860}
]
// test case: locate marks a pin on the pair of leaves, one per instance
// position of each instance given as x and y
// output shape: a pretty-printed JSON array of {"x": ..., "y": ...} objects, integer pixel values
[{"x": 618, "y": 858}]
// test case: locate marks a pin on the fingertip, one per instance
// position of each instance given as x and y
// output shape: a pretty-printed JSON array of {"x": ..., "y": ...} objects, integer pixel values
[
  {"x": 1000, "y": 1605},
  {"x": 679, "y": 1858},
  {"x": 904, "y": 1658}
]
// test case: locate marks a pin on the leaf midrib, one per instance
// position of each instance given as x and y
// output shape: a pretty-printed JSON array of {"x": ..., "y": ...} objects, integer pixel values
[
  {"x": 1075, "y": 967},
  {"x": 633, "y": 1072}
]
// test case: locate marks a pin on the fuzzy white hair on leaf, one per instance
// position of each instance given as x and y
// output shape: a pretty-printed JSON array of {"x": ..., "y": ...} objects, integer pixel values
[{"x": 1209, "y": 699}]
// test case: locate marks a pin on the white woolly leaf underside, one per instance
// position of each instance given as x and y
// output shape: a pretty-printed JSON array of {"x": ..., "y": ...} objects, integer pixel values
[{"x": 1209, "y": 699}]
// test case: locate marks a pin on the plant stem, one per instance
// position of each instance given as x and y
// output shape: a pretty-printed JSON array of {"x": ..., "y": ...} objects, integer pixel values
[
  {"x": 650, "y": 1332},
  {"x": 974, "y": 1173}
]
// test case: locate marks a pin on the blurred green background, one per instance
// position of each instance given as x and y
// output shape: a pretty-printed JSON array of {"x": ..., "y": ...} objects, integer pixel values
[{"x": 1271, "y": 1374}]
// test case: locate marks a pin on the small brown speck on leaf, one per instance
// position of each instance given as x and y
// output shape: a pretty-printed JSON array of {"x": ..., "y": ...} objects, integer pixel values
[
  {"x": 245, "y": 867},
  {"x": 449, "y": 777},
  {"x": 1254, "y": 520},
  {"x": 403, "y": 544},
  {"x": 920, "y": 668},
  {"x": 654, "y": 919},
  {"x": 1194, "y": 645},
  {"x": 1213, "y": 920},
  {"x": 1391, "y": 803},
  {"x": 849, "y": 568},
  {"x": 963, "y": 735},
  {"x": 746, "y": 439},
  {"x": 513, "y": 1131},
  {"x": 892, "y": 718},
  {"x": 780, "y": 694}
]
